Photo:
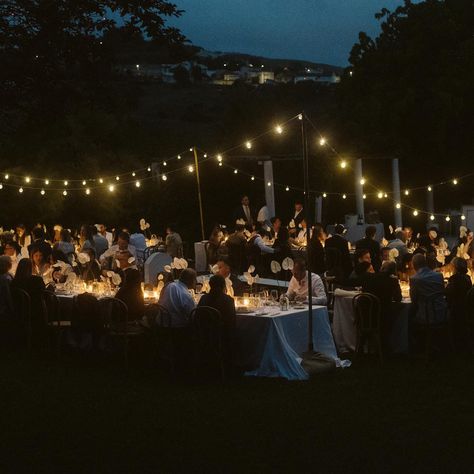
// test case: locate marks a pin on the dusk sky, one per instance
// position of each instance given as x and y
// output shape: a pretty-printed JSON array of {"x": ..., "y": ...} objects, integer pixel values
[{"x": 317, "y": 30}]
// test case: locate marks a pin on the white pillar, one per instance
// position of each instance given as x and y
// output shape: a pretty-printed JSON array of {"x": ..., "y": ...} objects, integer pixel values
[
  {"x": 269, "y": 190},
  {"x": 359, "y": 191},
  {"x": 396, "y": 193},
  {"x": 319, "y": 209}
]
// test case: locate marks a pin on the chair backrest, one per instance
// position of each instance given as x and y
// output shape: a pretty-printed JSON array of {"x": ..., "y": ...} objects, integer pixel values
[
  {"x": 51, "y": 306},
  {"x": 162, "y": 317},
  {"x": 87, "y": 315},
  {"x": 21, "y": 305},
  {"x": 367, "y": 311},
  {"x": 114, "y": 311},
  {"x": 470, "y": 306},
  {"x": 208, "y": 328}
]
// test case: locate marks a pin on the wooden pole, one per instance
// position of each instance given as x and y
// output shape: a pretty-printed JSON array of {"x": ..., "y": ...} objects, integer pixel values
[{"x": 198, "y": 182}]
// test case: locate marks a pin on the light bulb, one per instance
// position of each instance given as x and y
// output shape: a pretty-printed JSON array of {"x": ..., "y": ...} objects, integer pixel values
[
  {"x": 380, "y": 195},
  {"x": 164, "y": 177},
  {"x": 117, "y": 178},
  {"x": 111, "y": 188},
  {"x": 269, "y": 183},
  {"x": 448, "y": 218},
  {"x": 463, "y": 217},
  {"x": 190, "y": 168},
  {"x": 88, "y": 191},
  {"x": 407, "y": 192},
  {"x": 343, "y": 164},
  {"x": 149, "y": 169},
  {"x": 137, "y": 184},
  {"x": 398, "y": 205},
  {"x": 191, "y": 149},
  {"x": 179, "y": 157},
  {"x": 46, "y": 181},
  {"x": 164, "y": 163},
  {"x": 1, "y": 186},
  {"x": 430, "y": 188},
  {"x": 219, "y": 158},
  {"x": 385, "y": 195},
  {"x": 344, "y": 196},
  {"x": 455, "y": 181},
  {"x": 248, "y": 145},
  {"x": 84, "y": 183},
  {"x": 324, "y": 195},
  {"x": 27, "y": 179},
  {"x": 415, "y": 212},
  {"x": 235, "y": 171},
  {"x": 42, "y": 192},
  {"x": 432, "y": 218},
  {"x": 20, "y": 190},
  {"x": 7, "y": 176},
  {"x": 362, "y": 181},
  {"x": 287, "y": 188},
  {"x": 253, "y": 178},
  {"x": 205, "y": 155},
  {"x": 66, "y": 183},
  {"x": 64, "y": 193},
  {"x": 220, "y": 164},
  {"x": 279, "y": 129},
  {"x": 300, "y": 116},
  {"x": 322, "y": 141},
  {"x": 364, "y": 196},
  {"x": 134, "y": 174},
  {"x": 101, "y": 181}
]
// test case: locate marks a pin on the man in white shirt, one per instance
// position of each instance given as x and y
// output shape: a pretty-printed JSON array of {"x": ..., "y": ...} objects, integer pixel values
[
  {"x": 298, "y": 286},
  {"x": 176, "y": 298},
  {"x": 103, "y": 232},
  {"x": 121, "y": 252}
]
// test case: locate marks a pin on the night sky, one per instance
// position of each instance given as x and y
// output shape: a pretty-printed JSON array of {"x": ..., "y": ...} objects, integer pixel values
[{"x": 317, "y": 30}]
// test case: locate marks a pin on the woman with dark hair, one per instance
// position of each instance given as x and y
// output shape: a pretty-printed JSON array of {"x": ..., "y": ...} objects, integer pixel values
[
  {"x": 86, "y": 238},
  {"x": 21, "y": 237},
  {"x": 132, "y": 295},
  {"x": 282, "y": 245},
  {"x": 318, "y": 259},
  {"x": 90, "y": 270},
  {"x": 40, "y": 265},
  {"x": 456, "y": 291},
  {"x": 59, "y": 265}
]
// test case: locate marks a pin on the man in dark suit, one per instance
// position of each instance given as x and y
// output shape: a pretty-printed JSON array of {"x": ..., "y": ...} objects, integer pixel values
[
  {"x": 40, "y": 243},
  {"x": 339, "y": 246},
  {"x": 299, "y": 214},
  {"x": 369, "y": 243},
  {"x": 234, "y": 286},
  {"x": 245, "y": 212}
]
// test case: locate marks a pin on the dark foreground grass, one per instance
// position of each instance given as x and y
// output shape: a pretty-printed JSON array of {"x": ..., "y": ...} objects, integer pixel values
[{"x": 70, "y": 417}]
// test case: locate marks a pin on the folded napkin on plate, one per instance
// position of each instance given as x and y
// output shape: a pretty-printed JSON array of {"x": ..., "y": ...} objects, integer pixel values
[{"x": 341, "y": 292}]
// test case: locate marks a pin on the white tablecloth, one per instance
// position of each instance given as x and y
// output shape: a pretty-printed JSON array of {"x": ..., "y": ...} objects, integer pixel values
[
  {"x": 271, "y": 345},
  {"x": 344, "y": 330}
]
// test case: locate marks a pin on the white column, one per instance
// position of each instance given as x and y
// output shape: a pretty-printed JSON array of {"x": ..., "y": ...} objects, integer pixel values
[
  {"x": 319, "y": 209},
  {"x": 396, "y": 192},
  {"x": 269, "y": 190},
  {"x": 359, "y": 191}
]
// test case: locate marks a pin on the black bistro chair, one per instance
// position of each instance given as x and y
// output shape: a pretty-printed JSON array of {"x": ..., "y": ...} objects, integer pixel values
[{"x": 22, "y": 307}]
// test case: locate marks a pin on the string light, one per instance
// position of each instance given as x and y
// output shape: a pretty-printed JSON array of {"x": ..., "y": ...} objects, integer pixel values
[
  {"x": 455, "y": 181},
  {"x": 430, "y": 188},
  {"x": 322, "y": 141},
  {"x": 190, "y": 168},
  {"x": 362, "y": 181},
  {"x": 205, "y": 155},
  {"x": 64, "y": 193},
  {"x": 84, "y": 182},
  {"x": 432, "y": 217},
  {"x": 269, "y": 183},
  {"x": 191, "y": 149},
  {"x": 287, "y": 188},
  {"x": 252, "y": 178},
  {"x": 20, "y": 190},
  {"x": 415, "y": 212},
  {"x": 27, "y": 179},
  {"x": 66, "y": 183},
  {"x": 385, "y": 195},
  {"x": 164, "y": 177},
  {"x": 344, "y": 196},
  {"x": 117, "y": 178},
  {"x": 463, "y": 217},
  {"x": 364, "y": 196},
  {"x": 324, "y": 195},
  {"x": 179, "y": 157},
  {"x": 1, "y": 186},
  {"x": 101, "y": 181},
  {"x": 7, "y": 176},
  {"x": 343, "y": 164},
  {"x": 134, "y": 174},
  {"x": 111, "y": 188},
  {"x": 149, "y": 169},
  {"x": 448, "y": 218},
  {"x": 137, "y": 184},
  {"x": 398, "y": 205},
  {"x": 279, "y": 129},
  {"x": 164, "y": 163},
  {"x": 380, "y": 195},
  {"x": 88, "y": 191},
  {"x": 46, "y": 181},
  {"x": 42, "y": 192},
  {"x": 300, "y": 116},
  {"x": 235, "y": 171},
  {"x": 248, "y": 145},
  {"x": 220, "y": 164},
  {"x": 219, "y": 158},
  {"x": 407, "y": 192}
]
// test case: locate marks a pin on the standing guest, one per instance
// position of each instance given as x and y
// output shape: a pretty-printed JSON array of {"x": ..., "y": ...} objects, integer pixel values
[
  {"x": 222, "y": 302},
  {"x": 244, "y": 212},
  {"x": 275, "y": 227},
  {"x": 398, "y": 242},
  {"x": 263, "y": 217},
  {"x": 21, "y": 237},
  {"x": 64, "y": 244},
  {"x": 101, "y": 244},
  {"x": 298, "y": 286},
  {"x": 427, "y": 293},
  {"x": 236, "y": 249},
  {"x": 234, "y": 286},
  {"x": 299, "y": 214},
  {"x": 13, "y": 250},
  {"x": 132, "y": 295},
  {"x": 39, "y": 242},
  {"x": 341, "y": 247},
  {"x": 318, "y": 259},
  {"x": 176, "y": 298},
  {"x": 409, "y": 239},
  {"x": 371, "y": 245},
  {"x": 39, "y": 262},
  {"x": 458, "y": 286},
  {"x": 121, "y": 253},
  {"x": 104, "y": 233},
  {"x": 138, "y": 240},
  {"x": 173, "y": 242},
  {"x": 6, "y": 303}
]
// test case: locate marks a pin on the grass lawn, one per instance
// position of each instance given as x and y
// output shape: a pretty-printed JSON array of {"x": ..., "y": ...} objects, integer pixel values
[{"x": 89, "y": 417}]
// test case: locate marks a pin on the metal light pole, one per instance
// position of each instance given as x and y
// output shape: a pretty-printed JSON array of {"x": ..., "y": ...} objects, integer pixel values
[
  {"x": 307, "y": 201},
  {"x": 198, "y": 182}
]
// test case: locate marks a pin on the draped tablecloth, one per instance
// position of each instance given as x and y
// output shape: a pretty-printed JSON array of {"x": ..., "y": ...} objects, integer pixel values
[
  {"x": 271, "y": 345},
  {"x": 344, "y": 330}
]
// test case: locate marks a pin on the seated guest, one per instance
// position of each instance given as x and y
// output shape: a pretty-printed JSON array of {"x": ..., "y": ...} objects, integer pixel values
[
  {"x": 176, "y": 298},
  {"x": 458, "y": 286},
  {"x": 275, "y": 227},
  {"x": 385, "y": 285},
  {"x": 39, "y": 261},
  {"x": 64, "y": 244},
  {"x": 361, "y": 256},
  {"x": 385, "y": 253},
  {"x": 298, "y": 286},
  {"x": 213, "y": 248},
  {"x": 100, "y": 242},
  {"x": 427, "y": 293},
  {"x": 233, "y": 285},
  {"x": 173, "y": 242},
  {"x": 132, "y": 295},
  {"x": 21, "y": 237},
  {"x": 59, "y": 265},
  {"x": 6, "y": 303},
  {"x": 430, "y": 240},
  {"x": 90, "y": 271},
  {"x": 12, "y": 250},
  {"x": 86, "y": 238},
  {"x": 369, "y": 243},
  {"x": 104, "y": 233},
  {"x": 236, "y": 249},
  {"x": 398, "y": 243},
  {"x": 301, "y": 236},
  {"x": 341, "y": 246},
  {"x": 121, "y": 253},
  {"x": 318, "y": 258},
  {"x": 218, "y": 299},
  {"x": 256, "y": 251},
  {"x": 362, "y": 271},
  {"x": 39, "y": 242},
  {"x": 282, "y": 245}
]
